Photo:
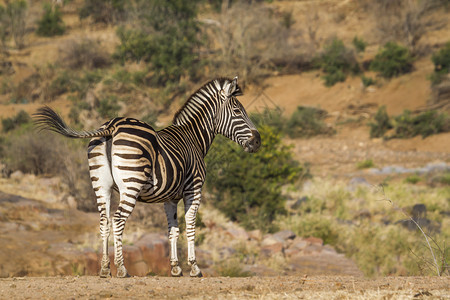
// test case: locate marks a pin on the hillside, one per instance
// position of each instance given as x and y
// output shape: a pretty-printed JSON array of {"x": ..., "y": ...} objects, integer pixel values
[{"x": 45, "y": 187}]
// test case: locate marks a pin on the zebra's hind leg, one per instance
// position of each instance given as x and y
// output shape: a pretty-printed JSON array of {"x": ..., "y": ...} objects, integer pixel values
[
  {"x": 126, "y": 206},
  {"x": 174, "y": 232},
  {"x": 102, "y": 182}
]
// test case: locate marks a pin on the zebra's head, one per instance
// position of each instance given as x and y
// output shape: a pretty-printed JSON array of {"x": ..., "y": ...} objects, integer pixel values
[{"x": 232, "y": 120}]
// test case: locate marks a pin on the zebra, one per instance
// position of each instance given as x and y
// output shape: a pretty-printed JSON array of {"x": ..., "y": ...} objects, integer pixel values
[{"x": 159, "y": 166}]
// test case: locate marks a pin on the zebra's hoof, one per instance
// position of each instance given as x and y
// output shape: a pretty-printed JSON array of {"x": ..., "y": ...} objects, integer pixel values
[
  {"x": 176, "y": 271},
  {"x": 195, "y": 271},
  {"x": 105, "y": 272},
  {"x": 122, "y": 272}
]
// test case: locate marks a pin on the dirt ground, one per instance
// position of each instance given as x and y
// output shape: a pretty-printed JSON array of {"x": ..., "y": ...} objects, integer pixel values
[{"x": 286, "y": 287}]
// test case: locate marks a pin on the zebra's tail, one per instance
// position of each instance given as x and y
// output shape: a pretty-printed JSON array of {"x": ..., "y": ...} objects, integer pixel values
[{"x": 47, "y": 118}]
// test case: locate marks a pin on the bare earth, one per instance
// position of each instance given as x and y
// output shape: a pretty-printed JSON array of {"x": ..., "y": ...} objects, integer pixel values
[{"x": 286, "y": 287}]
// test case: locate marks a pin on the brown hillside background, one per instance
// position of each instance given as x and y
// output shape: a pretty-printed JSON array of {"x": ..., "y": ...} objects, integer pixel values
[{"x": 48, "y": 222}]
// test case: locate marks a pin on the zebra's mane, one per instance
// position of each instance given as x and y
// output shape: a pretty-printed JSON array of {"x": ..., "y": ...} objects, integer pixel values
[{"x": 214, "y": 85}]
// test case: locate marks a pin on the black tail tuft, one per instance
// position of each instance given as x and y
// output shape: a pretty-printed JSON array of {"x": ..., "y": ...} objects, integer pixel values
[{"x": 47, "y": 118}]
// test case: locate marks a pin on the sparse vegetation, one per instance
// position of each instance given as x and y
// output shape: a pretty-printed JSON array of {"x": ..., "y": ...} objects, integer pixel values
[
  {"x": 51, "y": 23},
  {"x": 307, "y": 122},
  {"x": 392, "y": 60},
  {"x": 408, "y": 125},
  {"x": 104, "y": 11},
  {"x": 18, "y": 120},
  {"x": 17, "y": 12},
  {"x": 365, "y": 164},
  {"x": 368, "y": 230}
]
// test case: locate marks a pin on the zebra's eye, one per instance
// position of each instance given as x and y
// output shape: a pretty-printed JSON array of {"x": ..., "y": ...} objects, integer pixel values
[{"x": 237, "y": 111}]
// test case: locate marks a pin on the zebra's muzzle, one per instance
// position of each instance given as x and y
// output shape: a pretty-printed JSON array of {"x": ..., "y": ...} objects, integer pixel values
[{"x": 252, "y": 145}]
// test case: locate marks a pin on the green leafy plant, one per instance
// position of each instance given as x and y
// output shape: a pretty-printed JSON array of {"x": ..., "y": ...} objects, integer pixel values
[
  {"x": 359, "y": 44},
  {"x": 441, "y": 61},
  {"x": 247, "y": 187},
  {"x": 392, "y": 60},
  {"x": 382, "y": 123},
  {"x": 51, "y": 23},
  {"x": 336, "y": 62},
  {"x": 168, "y": 38},
  {"x": 307, "y": 122}
]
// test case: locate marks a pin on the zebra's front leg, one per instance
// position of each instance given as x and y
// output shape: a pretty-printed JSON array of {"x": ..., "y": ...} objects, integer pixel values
[
  {"x": 191, "y": 205},
  {"x": 174, "y": 232}
]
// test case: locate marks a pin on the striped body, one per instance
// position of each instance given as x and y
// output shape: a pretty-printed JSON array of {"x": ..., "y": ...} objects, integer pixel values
[{"x": 159, "y": 166}]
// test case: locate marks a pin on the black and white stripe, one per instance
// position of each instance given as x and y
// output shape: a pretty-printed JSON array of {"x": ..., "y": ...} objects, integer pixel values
[{"x": 163, "y": 166}]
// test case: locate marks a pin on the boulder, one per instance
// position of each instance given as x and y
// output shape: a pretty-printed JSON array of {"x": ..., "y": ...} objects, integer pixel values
[
  {"x": 237, "y": 233},
  {"x": 285, "y": 235}
]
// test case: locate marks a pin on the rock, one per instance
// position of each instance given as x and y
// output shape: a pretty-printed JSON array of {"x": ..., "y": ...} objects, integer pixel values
[
  {"x": 255, "y": 234},
  {"x": 155, "y": 252},
  {"x": 299, "y": 244},
  {"x": 323, "y": 263},
  {"x": 285, "y": 235},
  {"x": 272, "y": 249},
  {"x": 132, "y": 254},
  {"x": 270, "y": 239},
  {"x": 17, "y": 175},
  {"x": 239, "y": 234},
  {"x": 419, "y": 211},
  {"x": 314, "y": 240},
  {"x": 226, "y": 252},
  {"x": 356, "y": 182}
]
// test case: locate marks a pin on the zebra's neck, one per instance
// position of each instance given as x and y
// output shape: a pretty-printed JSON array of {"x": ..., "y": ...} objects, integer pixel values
[{"x": 198, "y": 114}]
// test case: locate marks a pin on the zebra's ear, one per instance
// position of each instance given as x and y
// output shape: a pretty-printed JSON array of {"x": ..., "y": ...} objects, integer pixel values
[{"x": 234, "y": 89}]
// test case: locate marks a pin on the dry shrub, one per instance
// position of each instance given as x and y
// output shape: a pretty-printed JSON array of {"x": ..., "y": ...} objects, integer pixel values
[
  {"x": 84, "y": 53},
  {"x": 250, "y": 43},
  {"x": 404, "y": 21},
  {"x": 50, "y": 155}
]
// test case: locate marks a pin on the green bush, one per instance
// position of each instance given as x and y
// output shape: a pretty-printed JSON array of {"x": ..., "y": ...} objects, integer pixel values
[
  {"x": 425, "y": 124},
  {"x": 359, "y": 44},
  {"x": 441, "y": 61},
  {"x": 51, "y": 23},
  {"x": 392, "y": 60},
  {"x": 12, "y": 123},
  {"x": 169, "y": 38},
  {"x": 247, "y": 187},
  {"x": 382, "y": 123},
  {"x": 336, "y": 62},
  {"x": 307, "y": 122}
]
